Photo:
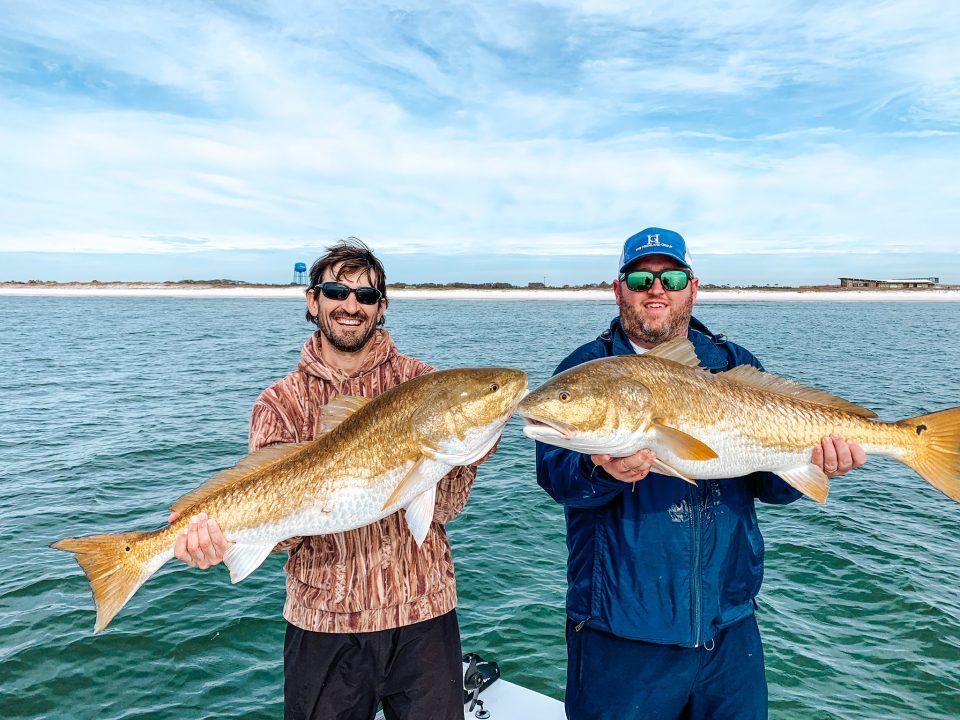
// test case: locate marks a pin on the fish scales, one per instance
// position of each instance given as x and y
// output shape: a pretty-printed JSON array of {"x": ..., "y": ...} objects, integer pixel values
[
  {"x": 706, "y": 405},
  {"x": 378, "y": 456},
  {"x": 706, "y": 426}
]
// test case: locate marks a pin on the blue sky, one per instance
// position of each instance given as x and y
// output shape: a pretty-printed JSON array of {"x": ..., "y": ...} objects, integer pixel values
[{"x": 790, "y": 142}]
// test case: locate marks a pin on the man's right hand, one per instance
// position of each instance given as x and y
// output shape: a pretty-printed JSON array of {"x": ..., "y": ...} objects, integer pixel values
[
  {"x": 201, "y": 544},
  {"x": 628, "y": 469}
]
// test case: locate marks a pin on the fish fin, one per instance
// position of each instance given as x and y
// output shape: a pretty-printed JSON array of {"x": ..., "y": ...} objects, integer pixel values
[
  {"x": 679, "y": 350},
  {"x": 681, "y": 444},
  {"x": 339, "y": 409},
  {"x": 236, "y": 474},
  {"x": 808, "y": 479},
  {"x": 419, "y": 514},
  {"x": 244, "y": 558},
  {"x": 936, "y": 457},
  {"x": 752, "y": 377},
  {"x": 115, "y": 573},
  {"x": 429, "y": 448},
  {"x": 664, "y": 469},
  {"x": 411, "y": 478},
  {"x": 432, "y": 451},
  {"x": 439, "y": 456}
]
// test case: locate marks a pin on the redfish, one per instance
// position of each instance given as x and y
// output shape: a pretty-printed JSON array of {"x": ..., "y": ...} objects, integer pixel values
[
  {"x": 704, "y": 426},
  {"x": 378, "y": 456}
]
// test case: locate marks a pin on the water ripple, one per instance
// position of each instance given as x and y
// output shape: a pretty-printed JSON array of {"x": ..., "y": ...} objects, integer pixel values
[{"x": 860, "y": 608}]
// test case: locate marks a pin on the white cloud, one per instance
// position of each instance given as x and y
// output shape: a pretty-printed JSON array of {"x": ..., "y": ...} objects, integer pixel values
[{"x": 543, "y": 129}]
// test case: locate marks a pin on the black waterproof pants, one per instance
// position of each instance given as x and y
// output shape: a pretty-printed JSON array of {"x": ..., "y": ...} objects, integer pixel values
[{"x": 415, "y": 671}]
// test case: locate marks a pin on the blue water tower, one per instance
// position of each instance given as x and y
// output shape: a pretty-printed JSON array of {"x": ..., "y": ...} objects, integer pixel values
[{"x": 300, "y": 274}]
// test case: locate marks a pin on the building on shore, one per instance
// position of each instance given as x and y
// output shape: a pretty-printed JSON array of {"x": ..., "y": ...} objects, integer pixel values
[{"x": 896, "y": 284}]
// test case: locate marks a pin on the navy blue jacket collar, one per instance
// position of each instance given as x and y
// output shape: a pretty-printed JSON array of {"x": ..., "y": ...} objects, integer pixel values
[{"x": 709, "y": 347}]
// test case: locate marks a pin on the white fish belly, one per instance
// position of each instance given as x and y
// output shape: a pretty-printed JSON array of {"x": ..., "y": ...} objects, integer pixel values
[
  {"x": 354, "y": 505},
  {"x": 738, "y": 455},
  {"x": 741, "y": 455}
]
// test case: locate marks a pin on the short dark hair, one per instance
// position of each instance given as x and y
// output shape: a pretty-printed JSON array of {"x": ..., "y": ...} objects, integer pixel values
[{"x": 348, "y": 256}]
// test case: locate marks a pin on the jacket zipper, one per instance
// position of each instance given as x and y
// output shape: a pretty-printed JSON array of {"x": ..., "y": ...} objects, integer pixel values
[{"x": 697, "y": 585}]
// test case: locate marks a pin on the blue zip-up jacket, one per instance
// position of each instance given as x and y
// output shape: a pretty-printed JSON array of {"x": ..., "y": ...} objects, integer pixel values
[{"x": 659, "y": 560}]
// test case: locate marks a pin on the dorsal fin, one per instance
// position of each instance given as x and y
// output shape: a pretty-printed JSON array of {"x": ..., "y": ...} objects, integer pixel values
[
  {"x": 751, "y": 377},
  {"x": 678, "y": 350},
  {"x": 339, "y": 409},
  {"x": 240, "y": 471}
]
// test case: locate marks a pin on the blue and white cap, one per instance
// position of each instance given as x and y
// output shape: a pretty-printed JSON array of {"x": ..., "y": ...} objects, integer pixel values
[{"x": 655, "y": 241}]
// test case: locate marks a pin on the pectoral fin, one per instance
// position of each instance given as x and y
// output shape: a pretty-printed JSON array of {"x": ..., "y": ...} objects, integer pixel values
[
  {"x": 808, "y": 479},
  {"x": 244, "y": 558},
  {"x": 664, "y": 469},
  {"x": 419, "y": 514},
  {"x": 681, "y": 444},
  {"x": 409, "y": 480}
]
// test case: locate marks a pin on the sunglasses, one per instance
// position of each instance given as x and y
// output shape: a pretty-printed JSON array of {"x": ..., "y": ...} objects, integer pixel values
[
  {"x": 339, "y": 291},
  {"x": 642, "y": 280}
]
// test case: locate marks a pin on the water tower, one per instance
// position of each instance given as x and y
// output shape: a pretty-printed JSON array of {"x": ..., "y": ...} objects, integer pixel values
[{"x": 300, "y": 274}]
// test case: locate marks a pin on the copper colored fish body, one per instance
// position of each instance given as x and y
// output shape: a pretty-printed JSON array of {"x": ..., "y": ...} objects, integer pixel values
[
  {"x": 377, "y": 457},
  {"x": 706, "y": 426}
]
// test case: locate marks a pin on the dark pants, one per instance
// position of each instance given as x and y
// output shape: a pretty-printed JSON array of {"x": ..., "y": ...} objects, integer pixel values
[
  {"x": 415, "y": 671},
  {"x": 610, "y": 677}
]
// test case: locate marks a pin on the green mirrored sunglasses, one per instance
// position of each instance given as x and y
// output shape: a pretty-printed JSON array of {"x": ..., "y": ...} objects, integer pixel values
[{"x": 642, "y": 280}]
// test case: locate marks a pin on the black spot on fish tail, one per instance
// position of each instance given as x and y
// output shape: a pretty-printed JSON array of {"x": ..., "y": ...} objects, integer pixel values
[{"x": 921, "y": 428}]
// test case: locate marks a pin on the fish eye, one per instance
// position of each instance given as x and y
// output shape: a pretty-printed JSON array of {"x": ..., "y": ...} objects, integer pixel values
[
  {"x": 563, "y": 395},
  {"x": 494, "y": 387}
]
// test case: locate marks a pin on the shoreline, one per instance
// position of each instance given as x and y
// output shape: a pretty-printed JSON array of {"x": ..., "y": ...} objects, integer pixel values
[{"x": 200, "y": 290}]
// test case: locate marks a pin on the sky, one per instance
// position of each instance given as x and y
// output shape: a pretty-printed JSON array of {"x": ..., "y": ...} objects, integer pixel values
[{"x": 789, "y": 142}]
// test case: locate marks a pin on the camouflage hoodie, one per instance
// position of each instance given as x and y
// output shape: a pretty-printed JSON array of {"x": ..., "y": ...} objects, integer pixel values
[{"x": 374, "y": 577}]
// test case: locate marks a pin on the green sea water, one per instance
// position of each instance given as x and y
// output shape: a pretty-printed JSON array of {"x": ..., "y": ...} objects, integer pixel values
[{"x": 110, "y": 408}]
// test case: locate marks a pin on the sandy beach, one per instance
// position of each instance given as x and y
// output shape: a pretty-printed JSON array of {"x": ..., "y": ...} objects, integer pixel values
[{"x": 705, "y": 295}]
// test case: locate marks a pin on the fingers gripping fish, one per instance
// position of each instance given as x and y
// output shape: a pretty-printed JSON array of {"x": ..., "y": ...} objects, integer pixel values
[
  {"x": 377, "y": 457},
  {"x": 706, "y": 426}
]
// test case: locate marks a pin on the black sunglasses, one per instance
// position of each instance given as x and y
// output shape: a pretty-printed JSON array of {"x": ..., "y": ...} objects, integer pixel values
[
  {"x": 339, "y": 291},
  {"x": 642, "y": 280}
]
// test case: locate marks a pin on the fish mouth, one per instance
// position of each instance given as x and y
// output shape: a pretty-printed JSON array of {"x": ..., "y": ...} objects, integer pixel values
[
  {"x": 539, "y": 428},
  {"x": 514, "y": 404}
]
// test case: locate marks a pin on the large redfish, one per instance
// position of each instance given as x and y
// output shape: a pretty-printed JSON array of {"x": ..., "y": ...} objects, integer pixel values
[
  {"x": 378, "y": 456},
  {"x": 705, "y": 426}
]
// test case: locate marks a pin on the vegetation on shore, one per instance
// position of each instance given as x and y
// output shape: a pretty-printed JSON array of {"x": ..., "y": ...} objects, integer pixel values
[{"x": 226, "y": 283}]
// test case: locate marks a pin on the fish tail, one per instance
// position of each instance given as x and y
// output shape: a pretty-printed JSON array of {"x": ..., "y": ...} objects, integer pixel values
[
  {"x": 113, "y": 567},
  {"x": 936, "y": 454}
]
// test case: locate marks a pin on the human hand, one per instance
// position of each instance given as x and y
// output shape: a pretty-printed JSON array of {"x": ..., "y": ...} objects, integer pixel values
[
  {"x": 627, "y": 469},
  {"x": 836, "y": 456},
  {"x": 201, "y": 544}
]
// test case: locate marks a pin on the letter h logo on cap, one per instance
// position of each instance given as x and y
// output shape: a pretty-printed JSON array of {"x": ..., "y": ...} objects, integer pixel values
[{"x": 654, "y": 241}]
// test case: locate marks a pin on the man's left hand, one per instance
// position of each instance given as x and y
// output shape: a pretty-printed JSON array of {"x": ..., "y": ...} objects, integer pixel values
[{"x": 836, "y": 456}]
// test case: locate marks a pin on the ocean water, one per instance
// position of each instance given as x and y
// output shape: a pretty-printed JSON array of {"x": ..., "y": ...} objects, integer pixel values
[{"x": 113, "y": 407}]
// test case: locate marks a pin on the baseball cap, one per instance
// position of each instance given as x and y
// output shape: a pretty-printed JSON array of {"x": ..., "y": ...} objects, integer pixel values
[{"x": 654, "y": 241}]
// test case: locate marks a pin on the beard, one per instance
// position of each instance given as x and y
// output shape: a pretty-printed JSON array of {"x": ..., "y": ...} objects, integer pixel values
[
  {"x": 347, "y": 341},
  {"x": 645, "y": 332}
]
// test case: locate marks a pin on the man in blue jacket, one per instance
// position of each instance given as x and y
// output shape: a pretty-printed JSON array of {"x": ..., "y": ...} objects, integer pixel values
[{"x": 662, "y": 575}]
